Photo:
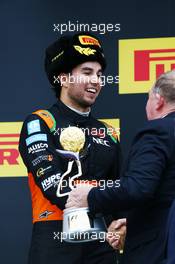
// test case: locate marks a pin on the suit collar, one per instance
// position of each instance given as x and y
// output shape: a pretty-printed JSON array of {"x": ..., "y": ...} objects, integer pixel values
[{"x": 172, "y": 114}]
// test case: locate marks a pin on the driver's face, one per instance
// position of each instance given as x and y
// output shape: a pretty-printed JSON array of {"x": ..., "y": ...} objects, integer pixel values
[{"x": 85, "y": 83}]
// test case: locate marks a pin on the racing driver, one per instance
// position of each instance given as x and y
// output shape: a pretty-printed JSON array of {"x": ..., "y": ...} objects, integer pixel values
[{"x": 74, "y": 65}]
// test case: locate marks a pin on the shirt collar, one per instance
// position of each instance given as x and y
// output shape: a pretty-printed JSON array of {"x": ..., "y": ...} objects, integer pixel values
[{"x": 71, "y": 113}]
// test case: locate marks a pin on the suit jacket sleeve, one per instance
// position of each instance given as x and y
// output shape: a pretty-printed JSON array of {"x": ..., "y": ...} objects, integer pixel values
[{"x": 143, "y": 171}]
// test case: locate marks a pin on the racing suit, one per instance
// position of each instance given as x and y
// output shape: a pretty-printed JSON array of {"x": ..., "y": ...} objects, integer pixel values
[{"x": 39, "y": 141}]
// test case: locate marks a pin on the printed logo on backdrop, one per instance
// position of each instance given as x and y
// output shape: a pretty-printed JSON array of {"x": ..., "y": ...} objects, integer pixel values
[
  {"x": 11, "y": 164},
  {"x": 142, "y": 61},
  {"x": 10, "y": 161}
]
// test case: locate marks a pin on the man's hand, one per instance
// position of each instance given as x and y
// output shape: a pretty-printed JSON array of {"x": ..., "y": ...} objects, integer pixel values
[
  {"x": 78, "y": 197},
  {"x": 117, "y": 233}
]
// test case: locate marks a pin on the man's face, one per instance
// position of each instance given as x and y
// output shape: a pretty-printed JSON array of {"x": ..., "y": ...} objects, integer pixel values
[
  {"x": 84, "y": 85},
  {"x": 151, "y": 106}
]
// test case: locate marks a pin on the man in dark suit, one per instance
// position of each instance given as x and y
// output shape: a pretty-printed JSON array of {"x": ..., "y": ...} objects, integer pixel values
[
  {"x": 147, "y": 185},
  {"x": 170, "y": 258}
]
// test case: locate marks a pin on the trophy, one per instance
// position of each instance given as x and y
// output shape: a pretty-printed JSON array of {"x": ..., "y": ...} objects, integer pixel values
[{"x": 78, "y": 223}]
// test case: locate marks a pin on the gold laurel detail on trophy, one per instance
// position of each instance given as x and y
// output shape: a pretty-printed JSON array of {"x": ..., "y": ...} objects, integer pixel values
[{"x": 72, "y": 139}]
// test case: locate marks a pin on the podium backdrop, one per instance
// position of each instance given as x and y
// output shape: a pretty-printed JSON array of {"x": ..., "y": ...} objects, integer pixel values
[{"x": 139, "y": 43}]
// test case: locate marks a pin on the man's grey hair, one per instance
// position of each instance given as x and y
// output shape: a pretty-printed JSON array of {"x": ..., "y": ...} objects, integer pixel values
[{"x": 165, "y": 86}]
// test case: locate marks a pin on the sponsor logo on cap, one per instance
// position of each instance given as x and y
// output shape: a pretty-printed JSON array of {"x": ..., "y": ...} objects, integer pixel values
[
  {"x": 85, "y": 51},
  {"x": 57, "y": 56},
  {"x": 87, "y": 40}
]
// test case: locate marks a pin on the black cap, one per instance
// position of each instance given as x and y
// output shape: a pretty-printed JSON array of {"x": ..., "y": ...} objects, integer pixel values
[{"x": 69, "y": 51}]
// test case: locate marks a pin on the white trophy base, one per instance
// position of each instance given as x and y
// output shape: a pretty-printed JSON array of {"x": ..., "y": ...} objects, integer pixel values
[{"x": 80, "y": 226}]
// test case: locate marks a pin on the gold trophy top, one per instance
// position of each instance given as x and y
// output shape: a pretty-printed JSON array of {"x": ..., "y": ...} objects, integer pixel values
[{"x": 72, "y": 139}]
